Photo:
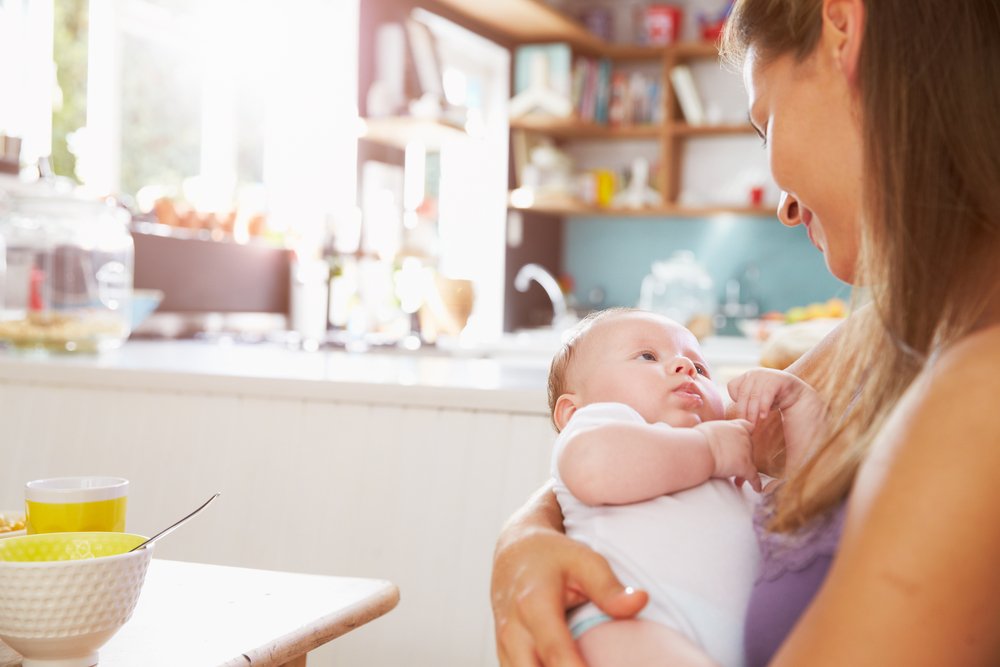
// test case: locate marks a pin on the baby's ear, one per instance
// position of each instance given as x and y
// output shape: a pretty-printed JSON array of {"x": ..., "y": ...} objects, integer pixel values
[{"x": 564, "y": 409}]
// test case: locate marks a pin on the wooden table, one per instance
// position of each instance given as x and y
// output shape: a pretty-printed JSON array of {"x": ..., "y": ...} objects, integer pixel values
[{"x": 201, "y": 615}]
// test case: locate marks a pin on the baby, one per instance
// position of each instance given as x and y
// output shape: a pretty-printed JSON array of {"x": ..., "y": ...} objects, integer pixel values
[{"x": 643, "y": 466}]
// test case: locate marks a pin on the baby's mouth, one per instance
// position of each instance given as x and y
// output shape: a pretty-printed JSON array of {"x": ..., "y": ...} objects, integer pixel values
[{"x": 689, "y": 395}]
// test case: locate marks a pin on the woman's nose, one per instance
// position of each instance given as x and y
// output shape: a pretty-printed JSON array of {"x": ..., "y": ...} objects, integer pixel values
[
  {"x": 789, "y": 211},
  {"x": 683, "y": 365}
]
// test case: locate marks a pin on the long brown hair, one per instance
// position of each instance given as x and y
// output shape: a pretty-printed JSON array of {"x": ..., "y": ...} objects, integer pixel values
[{"x": 929, "y": 95}]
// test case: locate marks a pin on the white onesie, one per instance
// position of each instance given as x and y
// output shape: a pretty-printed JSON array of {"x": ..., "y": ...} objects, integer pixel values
[{"x": 693, "y": 551}]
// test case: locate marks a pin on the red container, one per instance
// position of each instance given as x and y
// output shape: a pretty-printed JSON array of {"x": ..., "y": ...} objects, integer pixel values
[{"x": 663, "y": 24}]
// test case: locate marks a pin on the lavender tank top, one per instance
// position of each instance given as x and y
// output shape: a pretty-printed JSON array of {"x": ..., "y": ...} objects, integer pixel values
[{"x": 793, "y": 566}]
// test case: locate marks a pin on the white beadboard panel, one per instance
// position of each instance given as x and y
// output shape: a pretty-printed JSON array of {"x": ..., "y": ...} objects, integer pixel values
[{"x": 410, "y": 493}]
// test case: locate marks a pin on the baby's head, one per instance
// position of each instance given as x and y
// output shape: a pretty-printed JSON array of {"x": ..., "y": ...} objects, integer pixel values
[{"x": 645, "y": 360}]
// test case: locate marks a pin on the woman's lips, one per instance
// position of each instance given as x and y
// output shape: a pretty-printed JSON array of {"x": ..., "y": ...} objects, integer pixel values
[
  {"x": 809, "y": 232},
  {"x": 807, "y": 220}
]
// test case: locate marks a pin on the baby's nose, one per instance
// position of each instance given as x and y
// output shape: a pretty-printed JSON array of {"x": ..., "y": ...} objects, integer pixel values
[{"x": 683, "y": 365}]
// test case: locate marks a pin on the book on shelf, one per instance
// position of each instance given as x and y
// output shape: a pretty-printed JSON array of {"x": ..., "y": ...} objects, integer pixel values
[
  {"x": 687, "y": 94},
  {"x": 616, "y": 97}
]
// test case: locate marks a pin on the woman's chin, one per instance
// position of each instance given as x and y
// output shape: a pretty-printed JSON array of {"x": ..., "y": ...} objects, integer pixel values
[{"x": 842, "y": 271}]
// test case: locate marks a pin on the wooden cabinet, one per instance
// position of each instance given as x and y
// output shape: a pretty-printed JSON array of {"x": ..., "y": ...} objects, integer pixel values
[{"x": 517, "y": 22}]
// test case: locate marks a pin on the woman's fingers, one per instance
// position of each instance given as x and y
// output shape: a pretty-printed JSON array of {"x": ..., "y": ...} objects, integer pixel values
[
  {"x": 544, "y": 617},
  {"x": 529, "y": 603},
  {"x": 514, "y": 652},
  {"x": 595, "y": 581}
]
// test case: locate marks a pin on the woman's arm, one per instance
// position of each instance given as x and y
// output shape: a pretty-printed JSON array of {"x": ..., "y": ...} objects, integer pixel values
[
  {"x": 915, "y": 580},
  {"x": 538, "y": 573},
  {"x": 616, "y": 463}
]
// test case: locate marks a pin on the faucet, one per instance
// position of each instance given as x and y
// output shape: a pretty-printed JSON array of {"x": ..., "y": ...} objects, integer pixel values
[{"x": 536, "y": 272}]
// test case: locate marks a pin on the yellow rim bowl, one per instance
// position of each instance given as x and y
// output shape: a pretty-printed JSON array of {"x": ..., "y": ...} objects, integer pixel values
[{"x": 53, "y": 547}]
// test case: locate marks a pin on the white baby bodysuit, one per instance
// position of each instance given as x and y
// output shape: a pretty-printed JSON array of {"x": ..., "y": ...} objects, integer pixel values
[{"x": 693, "y": 551}]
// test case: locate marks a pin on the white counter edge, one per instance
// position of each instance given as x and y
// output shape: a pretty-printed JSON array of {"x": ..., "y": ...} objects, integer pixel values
[{"x": 95, "y": 376}]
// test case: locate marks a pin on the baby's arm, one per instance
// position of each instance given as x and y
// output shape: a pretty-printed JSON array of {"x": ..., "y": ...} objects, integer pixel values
[
  {"x": 803, "y": 413},
  {"x": 626, "y": 462}
]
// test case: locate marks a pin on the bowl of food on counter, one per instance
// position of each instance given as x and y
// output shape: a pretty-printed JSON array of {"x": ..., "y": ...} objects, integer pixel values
[{"x": 787, "y": 335}]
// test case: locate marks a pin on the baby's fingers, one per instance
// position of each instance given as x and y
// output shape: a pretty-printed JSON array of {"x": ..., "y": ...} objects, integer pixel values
[
  {"x": 735, "y": 385},
  {"x": 759, "y": 403}
]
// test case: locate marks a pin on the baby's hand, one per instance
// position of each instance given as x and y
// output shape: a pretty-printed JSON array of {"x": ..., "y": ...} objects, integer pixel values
[
  {"x": 803, "y": 412},
  {"x": 759, "y": 391},
  {"x": 729, "y": 443}
]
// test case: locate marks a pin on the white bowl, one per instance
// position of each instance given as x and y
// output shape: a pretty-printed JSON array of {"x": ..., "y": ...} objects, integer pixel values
[{"x": 58, "y": 608}]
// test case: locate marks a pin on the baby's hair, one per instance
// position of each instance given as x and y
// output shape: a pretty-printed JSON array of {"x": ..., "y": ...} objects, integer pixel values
[{"x": 559, "y": 367}]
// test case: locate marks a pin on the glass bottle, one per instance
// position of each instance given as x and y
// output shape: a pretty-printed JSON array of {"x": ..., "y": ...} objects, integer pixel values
[
  {"x": 69, "y": 273},
  {"x": 681, "y": 289}
]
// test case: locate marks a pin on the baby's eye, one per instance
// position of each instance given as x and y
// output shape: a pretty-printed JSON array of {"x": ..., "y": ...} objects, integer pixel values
[
  {"x": 648, "y": 356},
  {"x": 702, "y": 370}
]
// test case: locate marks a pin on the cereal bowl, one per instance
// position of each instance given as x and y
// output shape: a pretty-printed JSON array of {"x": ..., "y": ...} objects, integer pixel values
[{"x": 63, "y": 595}]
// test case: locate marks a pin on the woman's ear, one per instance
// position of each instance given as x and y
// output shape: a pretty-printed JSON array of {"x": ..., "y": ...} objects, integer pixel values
[
  {"x": 564, "y": 409},
  {"x": 844, "y": 23}
]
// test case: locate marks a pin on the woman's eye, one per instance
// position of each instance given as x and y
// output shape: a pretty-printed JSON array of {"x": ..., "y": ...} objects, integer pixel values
[{"x": 648, "y": 356}]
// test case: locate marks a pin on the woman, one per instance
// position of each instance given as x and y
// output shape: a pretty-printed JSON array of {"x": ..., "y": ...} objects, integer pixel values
[{"x": 879, "y": 120}]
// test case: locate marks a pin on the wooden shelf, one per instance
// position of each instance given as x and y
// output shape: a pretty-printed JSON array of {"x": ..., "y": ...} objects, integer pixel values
[
  {"x": 686, "y": 130},
  {"x": 515, "y": 22},
  {"x": 525, "y": 21},
  {"x": 398, "y": 131},
  {"x": 694, "y": 50},
  {"x": 532, "y": 21},
  {"x": 563, "y": 128}
]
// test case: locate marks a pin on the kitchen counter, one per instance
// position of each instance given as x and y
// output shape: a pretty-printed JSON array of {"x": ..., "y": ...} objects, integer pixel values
[
  {"x": 264, "y": 370},
  {"x": 506, "y": 382}
]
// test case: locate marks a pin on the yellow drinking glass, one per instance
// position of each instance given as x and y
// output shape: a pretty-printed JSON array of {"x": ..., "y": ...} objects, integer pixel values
[{"x": 75, "y": 504}]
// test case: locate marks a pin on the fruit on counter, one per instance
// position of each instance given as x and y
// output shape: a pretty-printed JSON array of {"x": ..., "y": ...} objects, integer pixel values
[{"x": 831, "y": 309}]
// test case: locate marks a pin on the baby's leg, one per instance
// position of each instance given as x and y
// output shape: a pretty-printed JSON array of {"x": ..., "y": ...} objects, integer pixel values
[{"x": 639, "y": 643}]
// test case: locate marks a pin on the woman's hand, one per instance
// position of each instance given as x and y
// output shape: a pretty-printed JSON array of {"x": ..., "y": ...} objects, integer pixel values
[{"x": 539, "y": 573}]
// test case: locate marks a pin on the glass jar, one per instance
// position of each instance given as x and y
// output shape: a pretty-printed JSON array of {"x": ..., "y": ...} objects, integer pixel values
[
  {"x": 69, "y": 272},
  {"x": 681, "y": 289}
]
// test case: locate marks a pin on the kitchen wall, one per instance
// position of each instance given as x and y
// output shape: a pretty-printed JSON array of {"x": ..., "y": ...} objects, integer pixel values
[{"x": 614, "y": 254}]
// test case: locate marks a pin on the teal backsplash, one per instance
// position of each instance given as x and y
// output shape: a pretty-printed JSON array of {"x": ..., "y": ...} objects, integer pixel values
[{"x": 614, "y": 254}]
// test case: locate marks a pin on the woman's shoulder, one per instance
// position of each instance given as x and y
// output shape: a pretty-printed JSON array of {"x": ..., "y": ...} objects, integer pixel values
[
  {"x": 949, "y": 411},
  {"x": 977, "y": 353}
]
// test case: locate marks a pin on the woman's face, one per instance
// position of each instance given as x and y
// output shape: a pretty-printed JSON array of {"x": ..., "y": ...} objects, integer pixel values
[{"x": 805, "y": 114}]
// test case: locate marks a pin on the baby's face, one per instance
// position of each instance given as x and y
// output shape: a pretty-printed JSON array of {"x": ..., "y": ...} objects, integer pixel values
[{"x": 648, "y": 362}]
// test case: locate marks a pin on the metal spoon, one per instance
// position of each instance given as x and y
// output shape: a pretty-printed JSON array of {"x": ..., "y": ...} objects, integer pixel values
[{"x": 169, "y": 529}]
